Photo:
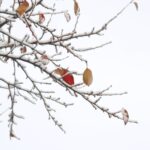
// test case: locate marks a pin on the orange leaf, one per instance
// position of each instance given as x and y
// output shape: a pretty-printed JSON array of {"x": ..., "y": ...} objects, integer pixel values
[
  {"x": 76, "y": 7},
  {"x": 87, "y": 77},
  {"x": 22, "y": 8}
]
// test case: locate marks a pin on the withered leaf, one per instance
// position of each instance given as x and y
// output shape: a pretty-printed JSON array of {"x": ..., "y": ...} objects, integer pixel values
[
  {"x": 23, "y": 49},
  {"x": 136, "y": 5},
  {"x": 87, "y": 77},
  {"x": 76, "y": 8},
  {"x": 59, "y": 71},
  {"x": 22, "y": 8},
  {"x": 67, "y": 16},
  {"x": 41, "y": 18},
  {"x": 67, "y": 77},
  {"x": 125, "y": 115}
]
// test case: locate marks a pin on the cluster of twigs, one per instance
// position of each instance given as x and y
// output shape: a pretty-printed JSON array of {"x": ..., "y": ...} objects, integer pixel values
[{"x": 27, "y": 52}]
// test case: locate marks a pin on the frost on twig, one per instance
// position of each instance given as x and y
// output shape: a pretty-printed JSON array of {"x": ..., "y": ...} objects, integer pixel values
[{"x": 43, "y": 50}]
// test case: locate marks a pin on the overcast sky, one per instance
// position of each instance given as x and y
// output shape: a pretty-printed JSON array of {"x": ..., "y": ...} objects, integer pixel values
[{"x": 125, "y": 64}]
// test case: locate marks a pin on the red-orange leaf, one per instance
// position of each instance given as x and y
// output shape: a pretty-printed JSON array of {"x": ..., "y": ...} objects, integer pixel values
[
  {"x": 67, "y": 77},
  {"x": 22, "y": 8}
]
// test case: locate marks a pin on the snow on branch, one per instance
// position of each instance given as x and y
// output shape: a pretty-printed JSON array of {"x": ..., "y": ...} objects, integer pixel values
[{"x": 43, "y": 50}]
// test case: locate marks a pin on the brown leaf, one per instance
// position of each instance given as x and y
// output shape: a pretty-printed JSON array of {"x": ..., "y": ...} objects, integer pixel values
[
  {"x": 136, "y": 5},
  {"x": 23, "y": 49},
  {"x": 125, "y": 115},
  {"x": 22, "y": 8},
  {"x": 87, "y": 77},
  {"x": 59, "y": 71},
  {"x": 76, "y": 8}
]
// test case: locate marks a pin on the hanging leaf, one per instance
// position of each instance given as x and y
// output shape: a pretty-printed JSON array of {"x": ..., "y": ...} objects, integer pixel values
[
  {"x": 76, "y": 8},
  {"x": 22, "y": 8},
  {"x": 125, "y": 115},
  {"x": 87, "y": 77},
  {"x": 67, "y": 77},
  {"x": 136, "y": 5},
  {"x": 67, "y": 16},
  {"x": 23, "y": 49},
  {"x": 41, "y": 18}
]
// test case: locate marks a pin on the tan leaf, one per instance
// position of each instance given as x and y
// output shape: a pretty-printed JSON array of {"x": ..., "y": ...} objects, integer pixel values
[
  {"x": 59, "y": 71},
  {"x": 136, "y": 5},
  {"x": 125, "y": 115},
  {"x": 87, "y": 77},
  {"x": 76, "y": 8},
  {"x": 22, "y": 8}
]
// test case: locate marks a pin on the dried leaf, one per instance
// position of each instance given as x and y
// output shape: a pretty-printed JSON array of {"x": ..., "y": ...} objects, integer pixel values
[
  {"x": 67, "y": 16},
  {"x": 23, "y": 49},
  {"x": 41, "y": 18},
  {"x": 125, "y": 115},
  {"x": 67, "y": 77},
  {"x": 59, "y": 71},
  {"x": 12, "y": 135},
  {"x": 87, "y": 77},
  {"x": 22, "y": 8},
  {"x": 76, "y": 8},
  {"x": 44, "y": 59},
  {"x": 136, "y": 5}
]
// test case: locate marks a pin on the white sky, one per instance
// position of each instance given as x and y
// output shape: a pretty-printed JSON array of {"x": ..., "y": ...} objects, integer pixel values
[{"x": 125, "y": 64}]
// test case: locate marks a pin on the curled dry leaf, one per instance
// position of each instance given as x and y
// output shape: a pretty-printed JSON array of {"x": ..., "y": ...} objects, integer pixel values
[
  {"x": 67, "y": 16},
  {"x": 59, "y": 71},
  {"x": 125, "y": 115},
  {"x": 22, "y": 8},
  {"x": 67, "y": 77},
  {"x": 12, "y": 135},
  {"x": 76, "y": 8},
  {"x": 23, "y": 49},
  {"x": 136, "y": 5},
  {"x": 41, "y": 18},
  {"x": 87, "y": 77}
]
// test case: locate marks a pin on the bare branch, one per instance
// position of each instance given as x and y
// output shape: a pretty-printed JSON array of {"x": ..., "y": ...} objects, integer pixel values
[{"x": 42, "y": 50}]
